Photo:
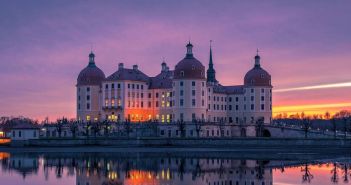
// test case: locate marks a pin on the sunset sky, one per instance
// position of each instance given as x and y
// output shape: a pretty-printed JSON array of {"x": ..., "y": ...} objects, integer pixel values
[{"x": 304, "y": 45}]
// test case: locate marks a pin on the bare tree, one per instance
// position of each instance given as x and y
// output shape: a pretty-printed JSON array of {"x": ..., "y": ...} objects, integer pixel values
[
  {"x": 181, "y": 127},
  {"x": 74, "y": 128},
  {"x": 306, "y": 123},
  {"x": 259, "y": 127},
  {"x": 334, "y": 128},
  {"x": 306, "y": 176},
  {"x": 335, "y": 174}
]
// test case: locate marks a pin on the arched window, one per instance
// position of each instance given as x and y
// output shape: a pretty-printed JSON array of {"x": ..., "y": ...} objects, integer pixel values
[
  {"x": 193, "y": 67},
  {"x": 182, "y": 73}
]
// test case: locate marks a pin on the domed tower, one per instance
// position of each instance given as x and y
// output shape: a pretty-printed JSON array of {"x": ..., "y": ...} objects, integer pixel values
[
  {"x": 189, "y": 87},
  {"x": 258, "y": 93},
  {"x": 88, "y": 91}
]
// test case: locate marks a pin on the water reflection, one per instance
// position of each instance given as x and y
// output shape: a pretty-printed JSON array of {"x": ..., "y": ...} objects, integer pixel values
[{"x": 164, "y": 169}]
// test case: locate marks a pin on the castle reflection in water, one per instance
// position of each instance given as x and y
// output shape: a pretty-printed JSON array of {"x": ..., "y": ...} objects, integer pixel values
[{"x": 152, "y": 169}]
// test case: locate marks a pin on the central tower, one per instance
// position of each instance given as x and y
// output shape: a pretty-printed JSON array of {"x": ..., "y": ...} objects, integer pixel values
[{"x": 189, "y": 88}]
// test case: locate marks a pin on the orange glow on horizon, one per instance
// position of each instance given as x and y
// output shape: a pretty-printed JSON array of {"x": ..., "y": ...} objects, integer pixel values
[{"x": 311, "y": 109}]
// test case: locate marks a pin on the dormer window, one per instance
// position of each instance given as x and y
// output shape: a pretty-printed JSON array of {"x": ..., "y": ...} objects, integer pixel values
[
  {"x": 182, "y": 73},
  {"x": 262, "y": 75},
  {"x": 252, "y": 81},
  {"x": 193, "y": 67}
]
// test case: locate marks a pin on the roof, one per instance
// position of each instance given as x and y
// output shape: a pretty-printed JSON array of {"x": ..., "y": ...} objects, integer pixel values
[
  {"x": 162, "y": 80},
  {"x": 128, "y": 74},
  {"x": 189, "y": 68},
  {"x": 236, "y": 89},
  {"x": 25, "y": 125},
  {"x": 90, "y": 76},
  {"x": 257, "y": 76}
]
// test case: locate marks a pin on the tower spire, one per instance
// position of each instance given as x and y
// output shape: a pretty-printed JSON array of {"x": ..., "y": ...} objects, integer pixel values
[
  {"x": 257, "y": 59},
  {"x": 91, "y": 59},
  {"x": 211, "y": 73},
  {"x": 189, "y": 50}
]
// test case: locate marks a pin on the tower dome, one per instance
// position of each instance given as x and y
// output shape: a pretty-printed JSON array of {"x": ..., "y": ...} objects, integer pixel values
[
  {"x": 257, "y": 76},
  {"x": 189, "y": 67},
  {"x": 90, "y": 75}
]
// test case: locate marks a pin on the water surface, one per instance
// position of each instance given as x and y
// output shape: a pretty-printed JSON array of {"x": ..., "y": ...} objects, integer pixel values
[{"x": 172, "y": 167}]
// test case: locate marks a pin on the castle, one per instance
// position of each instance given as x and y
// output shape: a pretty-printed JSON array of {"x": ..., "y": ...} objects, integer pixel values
[{"x": 186, "y": 93}]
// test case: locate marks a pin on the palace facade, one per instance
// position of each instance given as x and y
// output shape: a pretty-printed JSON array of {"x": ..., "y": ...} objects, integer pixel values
[{"x": 186, "y": 93}]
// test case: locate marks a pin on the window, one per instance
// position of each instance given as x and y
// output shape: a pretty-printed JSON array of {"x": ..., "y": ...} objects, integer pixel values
[
  {"x": 78, "y": 106},
  {"x": 181, "y": 92},
  {"x": 137, "y": 86},
  {"x": 118, "y": 86},
  {"x": 262, "y": 106},
  {"x": 203, "y": 103},
  {"x": 88, "y": 89},
  {"x": 182, "y": 73},
  {"x": 141, "y": 95},
  {"x": 262, "y": 98},
  {"x": 236, "y": 107},
  {"x": 88, "y": 97},
  {"x": 142, "y": 86},
  {"x": 236, "y": 99},
  {"x": 193, "y": 92},
  {"x": 112, "y": 86},
  {"x": 156, "y": 103},
  {"x": 193, "y": 115},
  {"x": 193, "y": 102},
  {"x": 252, "y": 98},
  {"x": 149, "y": 95},
  {"x": 193, "y": 83},
  {"x": 230, "y": 99},
  {"x": 128, "y": 86},
  {"x": 181, "y": 103},
  {"x": 142, "y": 104},
  {"x": 203, "y": 93},
  {"x": 88, "y": 106},
  {"x": 181, "y": 83},
  {"x": 19, "y": 134},
  {"x": 230, "y": 107},
  {"x": 252, "y": 106},
  {"x": 156, "y": 95},
  {"x": 34, "y": 134},
  {"x": 149, "y": 104},
  {"x": 133, "y": 86},
  {"x": 252, "y": 90},
  {"x": 203, "y": 84},
  {"x": 262, "y": 90}
]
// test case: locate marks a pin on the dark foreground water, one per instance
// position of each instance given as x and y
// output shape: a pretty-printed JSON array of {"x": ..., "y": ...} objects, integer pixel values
[{"x": 177, "y": 167}]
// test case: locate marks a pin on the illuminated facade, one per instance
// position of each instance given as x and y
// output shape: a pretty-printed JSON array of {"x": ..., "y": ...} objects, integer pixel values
[{"x": 184, "y": 93}]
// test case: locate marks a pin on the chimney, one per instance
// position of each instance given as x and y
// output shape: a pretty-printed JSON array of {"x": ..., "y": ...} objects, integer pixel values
[
  {"x": 164, "y": 66},
  {"x": 135, "y": 67},
  {"x": 120, "y": 66}
]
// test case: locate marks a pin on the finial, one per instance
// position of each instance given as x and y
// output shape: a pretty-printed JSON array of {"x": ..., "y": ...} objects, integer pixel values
[
  {"x": 257, "y": 51},
  {"x": 210, "y": 43}
]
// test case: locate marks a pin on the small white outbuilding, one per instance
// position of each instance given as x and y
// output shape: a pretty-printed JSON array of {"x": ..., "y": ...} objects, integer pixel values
[{"x": 24, "y": 131}]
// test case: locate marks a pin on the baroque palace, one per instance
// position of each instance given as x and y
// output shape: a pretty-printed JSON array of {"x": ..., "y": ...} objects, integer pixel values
[{"x": 187, "y": 93}]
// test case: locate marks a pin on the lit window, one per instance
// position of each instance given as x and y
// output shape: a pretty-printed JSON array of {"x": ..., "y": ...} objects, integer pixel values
[{"x": 88, "y": 118}]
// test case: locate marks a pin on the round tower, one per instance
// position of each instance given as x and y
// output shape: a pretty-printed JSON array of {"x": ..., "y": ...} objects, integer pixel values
[
  {"x": 88, "y": 91},
  {"x": 189, "y": 87},
  {"x": 258, "y": 94}
]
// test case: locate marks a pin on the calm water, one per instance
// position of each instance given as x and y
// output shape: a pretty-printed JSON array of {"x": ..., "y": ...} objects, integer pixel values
[{"x": 171, "y": 168}]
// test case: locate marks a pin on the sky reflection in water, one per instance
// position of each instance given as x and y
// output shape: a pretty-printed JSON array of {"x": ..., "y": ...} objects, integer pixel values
[{"x": 159, "y": 169}]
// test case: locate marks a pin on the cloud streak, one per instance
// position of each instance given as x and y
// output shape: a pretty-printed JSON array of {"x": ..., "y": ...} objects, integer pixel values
[{"x": 313, "y": 87}]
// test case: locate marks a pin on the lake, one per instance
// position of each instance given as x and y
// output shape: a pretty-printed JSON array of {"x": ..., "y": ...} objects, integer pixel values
[{"x": 106, "y": 166}]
